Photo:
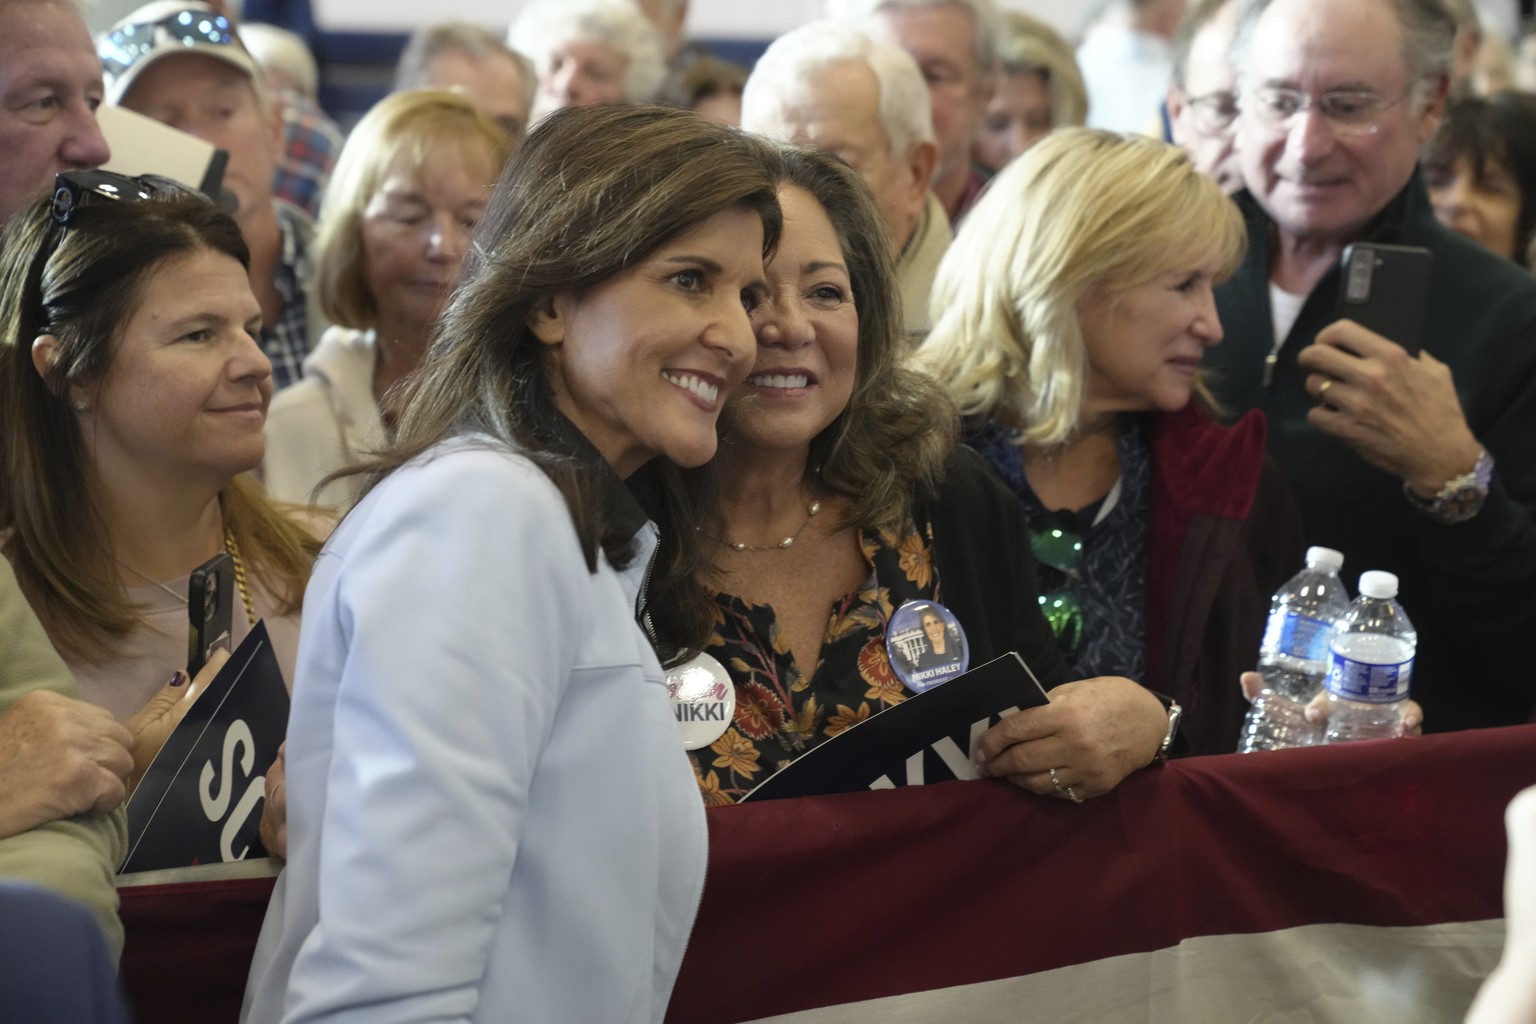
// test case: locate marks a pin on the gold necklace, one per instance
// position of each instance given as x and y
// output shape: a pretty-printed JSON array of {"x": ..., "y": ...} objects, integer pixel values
[
  {"x": 787, "y": 542},
  {"x": 230, "y": 548}
]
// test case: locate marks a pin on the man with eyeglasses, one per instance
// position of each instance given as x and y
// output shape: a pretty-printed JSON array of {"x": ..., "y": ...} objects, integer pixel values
[
  {"x": 50, "y": 86},
  {"x": 1202, "y": 99},
  {"x": 1420, "y": 464},
  {"x": 181, "y": 63}
]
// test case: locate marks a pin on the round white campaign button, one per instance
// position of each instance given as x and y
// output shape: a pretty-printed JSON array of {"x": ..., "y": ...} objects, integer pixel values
[{"x": 703, "y": 699}]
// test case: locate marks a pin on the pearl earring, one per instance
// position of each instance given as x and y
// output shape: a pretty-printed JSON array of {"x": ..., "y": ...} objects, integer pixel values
[{"x": 81, "y": 406}]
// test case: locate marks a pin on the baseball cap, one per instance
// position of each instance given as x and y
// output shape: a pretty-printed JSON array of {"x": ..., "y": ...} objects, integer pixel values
[{"x": 161, "y": 29}]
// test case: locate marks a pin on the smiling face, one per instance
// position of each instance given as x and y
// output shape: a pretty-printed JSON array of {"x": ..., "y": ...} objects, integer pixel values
[
  {"x": 807, "y": 336},
  {"x": 1485, "y": 207},
  {"x": 50, "y": 86},
  {"x": 1144, "y": 346},
  {"x": 416, "y": 229},
  {"x": 1317, "y": 184},
  {"x": 642, "y": 362},
  {"x": 186, "y": 393},
  {"x": 933, "y": 628}
]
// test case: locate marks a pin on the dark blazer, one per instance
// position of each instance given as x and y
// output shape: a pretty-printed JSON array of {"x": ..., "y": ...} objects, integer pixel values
[{"x": 1470, "y": 589}]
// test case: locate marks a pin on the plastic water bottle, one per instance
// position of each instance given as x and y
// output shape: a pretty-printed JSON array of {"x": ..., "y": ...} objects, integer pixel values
[
  {"x": 1371, "y": 664},
  {"x": 1293, "y": 658}
]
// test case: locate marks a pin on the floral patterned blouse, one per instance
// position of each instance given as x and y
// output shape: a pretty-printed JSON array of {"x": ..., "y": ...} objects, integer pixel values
[{"x": 780, "y": 713}]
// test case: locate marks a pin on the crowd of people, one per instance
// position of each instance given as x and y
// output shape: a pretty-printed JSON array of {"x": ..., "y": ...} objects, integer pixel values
[{"x": 586, "y": 358}]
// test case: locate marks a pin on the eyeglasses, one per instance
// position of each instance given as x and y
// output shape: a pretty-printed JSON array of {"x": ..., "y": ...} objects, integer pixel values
[
  {"x": 1349, "y": 112},
  {"x": 1057, "y": 544},
  {"x": 125, "y": 47},
  {"x": 1214, "y": 113}
]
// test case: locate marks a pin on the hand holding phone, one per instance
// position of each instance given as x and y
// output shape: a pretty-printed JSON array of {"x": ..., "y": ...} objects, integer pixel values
[
  {"x": 210, "y": 597},
  {"x": 1383, "y": 289}
]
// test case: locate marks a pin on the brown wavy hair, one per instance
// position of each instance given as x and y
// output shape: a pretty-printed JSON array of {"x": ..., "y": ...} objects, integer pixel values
[
  {"x": 81, "y": 288},
  {"x": 592, "y": 192},
  {"x": 885, "y": 449}
]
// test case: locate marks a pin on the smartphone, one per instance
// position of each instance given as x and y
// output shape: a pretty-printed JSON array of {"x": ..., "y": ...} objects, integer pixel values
[
  {"x": 210, "y": 597},
  {"x": 1384, "y": 288}
]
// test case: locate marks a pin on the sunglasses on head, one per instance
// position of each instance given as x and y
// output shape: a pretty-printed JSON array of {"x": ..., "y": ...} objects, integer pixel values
[
  {"x": 126, "y": 46},
  {"x": 1056, "y": 541},
  {"x": 73, "y": 190}
]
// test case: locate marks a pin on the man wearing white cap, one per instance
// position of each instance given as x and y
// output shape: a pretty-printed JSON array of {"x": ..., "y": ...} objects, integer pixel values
[
  {"x": 49, "y": 87},
  {"x": 181, "y": 63}
]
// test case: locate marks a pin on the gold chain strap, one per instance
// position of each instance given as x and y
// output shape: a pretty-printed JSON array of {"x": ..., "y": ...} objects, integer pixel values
[{"x": 245, "y": 591}]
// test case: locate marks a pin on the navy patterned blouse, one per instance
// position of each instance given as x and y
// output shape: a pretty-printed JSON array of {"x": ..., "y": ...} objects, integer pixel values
[{"x": 1112, "y": 574}]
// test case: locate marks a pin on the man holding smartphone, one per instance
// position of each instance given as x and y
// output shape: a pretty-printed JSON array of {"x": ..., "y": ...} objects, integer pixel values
[{"x": 1422, "y": 463}]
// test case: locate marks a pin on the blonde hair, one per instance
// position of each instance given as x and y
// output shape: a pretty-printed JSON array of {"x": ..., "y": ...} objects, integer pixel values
[
  {"x": 418, "y": 122},
  {"x": 1082, "y": 211}
]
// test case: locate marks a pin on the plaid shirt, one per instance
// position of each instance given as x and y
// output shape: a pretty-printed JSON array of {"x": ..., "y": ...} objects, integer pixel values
[
  {"x": 286, "y": 341},
  {"x": 310, "y": 144}
]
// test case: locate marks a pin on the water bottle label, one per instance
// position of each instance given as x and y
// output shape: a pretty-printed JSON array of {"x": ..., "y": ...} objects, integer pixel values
[
  {"x": 1368, "y": 682},
  {"x": 1299, "y": 637}
]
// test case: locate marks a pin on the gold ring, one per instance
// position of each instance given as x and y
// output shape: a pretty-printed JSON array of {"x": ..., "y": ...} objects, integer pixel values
[{"x": 1325, "y": 386}]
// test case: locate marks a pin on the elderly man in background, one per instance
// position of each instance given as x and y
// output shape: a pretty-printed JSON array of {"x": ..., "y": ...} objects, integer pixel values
[
  {"x": 472, "y": 60},
  {"x": 1423, "y": 464},
  {"x": 195, "y": 74},
  {"x": 50, "y": 85},
  {"x": 955, "y": 45},
  {"x": 587, "y": 52},
  {"x": 311, "y": 140},
  {"x": 1202, "y": 98},
  {"x": 829, "y": 86}
]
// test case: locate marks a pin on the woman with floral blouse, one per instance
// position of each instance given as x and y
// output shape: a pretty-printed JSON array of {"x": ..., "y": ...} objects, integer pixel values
[{"x": 839, "y": 497}]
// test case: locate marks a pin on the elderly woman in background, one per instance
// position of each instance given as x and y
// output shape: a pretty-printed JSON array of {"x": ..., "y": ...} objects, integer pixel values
[
  {"x": 1072, "y": 313},
  {"x": 134, "y": 394},
  {"x": 587, "y": 52},
  {"x": 409, "y": 189},
  {"x": 1480, "y": 169},
  {"x": 490, "y": 814},
  {"x": 1039, "y": 88},
  {"x": 838, "y": 499}
]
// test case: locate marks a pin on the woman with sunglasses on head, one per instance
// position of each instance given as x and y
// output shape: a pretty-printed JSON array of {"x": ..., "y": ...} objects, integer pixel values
[
  {"x": 408, "y": 190},
  {"x": 838, "y": 520},
  {"x": 1073, "y": 312},
  {"x": 132, "y": 397},
  {"x": 490, "y": 814}
]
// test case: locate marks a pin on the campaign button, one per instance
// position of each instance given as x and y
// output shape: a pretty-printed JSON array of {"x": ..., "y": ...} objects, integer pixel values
[
  {"x": 703, "y": 699},
  {"x": 926, "y": 645}
]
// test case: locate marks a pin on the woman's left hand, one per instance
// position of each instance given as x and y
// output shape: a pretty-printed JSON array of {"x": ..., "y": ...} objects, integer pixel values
[
  {"x": 153, "y": 724},
  {"x": 1094, "y": 733}
]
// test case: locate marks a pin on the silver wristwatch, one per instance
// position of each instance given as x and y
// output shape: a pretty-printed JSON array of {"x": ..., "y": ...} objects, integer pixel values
[{"x": 1462, "y": 496}]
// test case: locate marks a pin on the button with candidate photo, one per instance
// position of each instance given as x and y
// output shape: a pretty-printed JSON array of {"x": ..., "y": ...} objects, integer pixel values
[
  {"x": 926, "y": 645},
  {"x": 703, "y": 699}
]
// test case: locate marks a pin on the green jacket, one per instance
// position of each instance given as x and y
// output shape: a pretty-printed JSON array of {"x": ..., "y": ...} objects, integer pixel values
[
  {"x": 77, "y": 857},
  {"x": 1470, "y": 589}
]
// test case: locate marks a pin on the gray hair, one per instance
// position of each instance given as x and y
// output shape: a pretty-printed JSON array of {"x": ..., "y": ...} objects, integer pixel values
[
  {"x": 277, "y": 49},
  {"x": 787, "y": 66},
  {"x": 1429, "y": 36},
  {"x": 984, "y": 16},
  {"x": 432, "y": 41},
  {"x": 1196, "y": 16},
  {"x": 617, "y": 24}
]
